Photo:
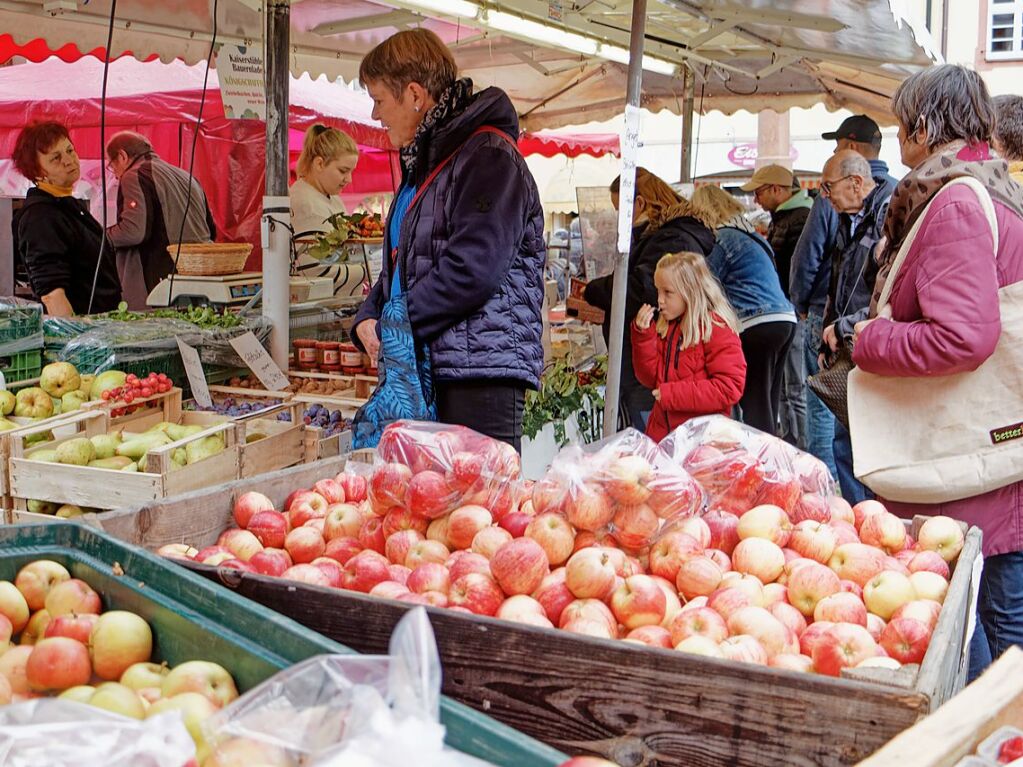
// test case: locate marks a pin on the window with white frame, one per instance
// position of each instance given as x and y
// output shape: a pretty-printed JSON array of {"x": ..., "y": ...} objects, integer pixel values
[{"x": 1004, "y": 29}]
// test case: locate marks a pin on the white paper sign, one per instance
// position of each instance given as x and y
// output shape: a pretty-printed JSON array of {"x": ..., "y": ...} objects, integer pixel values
[
  {"x": 260, "y": 363},
  {"x": 240, "y": 69},
  {"x": 195, "y": 373},
  {"x": 627, "y": 185}
]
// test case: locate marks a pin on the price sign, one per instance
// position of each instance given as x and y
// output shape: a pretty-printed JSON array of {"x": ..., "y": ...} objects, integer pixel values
[
  {"x": 260, "y": 362},
  {"x": 627, "y": 185},
  {"x": 195, "y": 373}
]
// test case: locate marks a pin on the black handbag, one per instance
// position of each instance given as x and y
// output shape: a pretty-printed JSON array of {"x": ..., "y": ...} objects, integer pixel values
[{"x": 831, "y": 384}]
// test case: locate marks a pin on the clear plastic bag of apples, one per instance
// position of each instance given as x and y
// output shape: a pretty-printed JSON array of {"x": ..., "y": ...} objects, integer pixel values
[
  {"x": 624, "y": 487},
  {"x": 740, "y": 467}
]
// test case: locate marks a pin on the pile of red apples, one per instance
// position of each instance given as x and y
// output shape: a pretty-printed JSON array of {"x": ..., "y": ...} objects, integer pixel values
[{"x": 813, "y": 585}]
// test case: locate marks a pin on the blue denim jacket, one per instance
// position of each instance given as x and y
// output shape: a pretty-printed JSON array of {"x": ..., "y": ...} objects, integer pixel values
[
  {"x": 810, "y": 272},
  {"x": 744, "y": 265}
]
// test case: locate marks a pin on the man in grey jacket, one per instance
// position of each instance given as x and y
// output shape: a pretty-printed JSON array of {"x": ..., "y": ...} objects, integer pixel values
[{"x": 153, "y": 198}]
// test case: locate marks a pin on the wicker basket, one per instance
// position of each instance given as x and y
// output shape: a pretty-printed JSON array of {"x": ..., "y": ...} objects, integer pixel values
[{"x": 208, "y": 259}]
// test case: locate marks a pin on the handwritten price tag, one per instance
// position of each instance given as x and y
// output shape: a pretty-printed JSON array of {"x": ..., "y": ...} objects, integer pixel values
[
  {"x": 260, "y": 362},
  {"x": 195, "y": 373},
  {"x": 627, "y": 186}
]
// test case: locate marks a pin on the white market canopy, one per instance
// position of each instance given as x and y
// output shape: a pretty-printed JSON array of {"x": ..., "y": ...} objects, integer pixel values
[{"x": 746, "y": 54}]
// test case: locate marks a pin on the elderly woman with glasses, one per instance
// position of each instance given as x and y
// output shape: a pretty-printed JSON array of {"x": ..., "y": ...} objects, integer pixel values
[
  {"x": 58, "y": 239},
  {"x": 944, "y": 304}
]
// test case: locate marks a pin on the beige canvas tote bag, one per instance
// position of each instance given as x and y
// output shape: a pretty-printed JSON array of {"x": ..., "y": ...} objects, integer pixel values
[{"x": 942, "y": 438}]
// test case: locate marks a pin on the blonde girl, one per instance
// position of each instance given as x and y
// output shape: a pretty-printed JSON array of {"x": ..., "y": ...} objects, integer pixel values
[
  {"x": 691, "y": 357},
  {"x": 324, "y": 167}
]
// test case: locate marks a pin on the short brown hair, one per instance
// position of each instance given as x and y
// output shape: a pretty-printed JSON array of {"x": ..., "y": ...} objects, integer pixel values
[
  {"x": 411, "y": 56},
  {"x": 35, "y": 139},
  {"x": 131, "y": 143},
  {"x": 1009, "y": 128}
]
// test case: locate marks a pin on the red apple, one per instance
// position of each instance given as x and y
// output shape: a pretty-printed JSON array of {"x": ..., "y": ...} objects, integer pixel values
[
  {"x": 750, "y": 585},
  {"x": 429, "y": 576},
  {"x": 744, "y": 649},
  {"x": 355, "y": 486},
  {"x": 241, "y": 543},
  {"x": 398, "y": 519},
  {"x": 517, "y": 521},
  {"x": 371, "y": 535},
  {"x": 520, "y": 566},
  {"x": 489, "y": 540},
  {"x": 652, "y": 636},
  {"x": 342, "y": 520},
  {"x": 886, "y": 592},
  {"x": 476, "y": 592},
  {"x": 773, "y": 635},
  {"x": 928, "y": 585},
  {"x": 387, "y": 486},
  {"x": 35, "y": 580},
  {"x": 875, "y": 626},
  {"x": 843, "y": 645},
  {"x": 883, "y": 530},
  {"x": 271, "y": 561},
  {"x": 811, "y": 507},
  {"x": 589, "y": 508},
  {"x": 626, "y": 479},
  {"x": 924, "y": 610},
  {"x": 465, "y": 470},
  {"x": 554, "y": 595},
  {"x": 809, "y": 584},
  {"x": 590, "y": 573},
  {"x": 464, "y": 523},
  {"x": 304, "y": 545},
  {"x": 213, "y": 555},
  {"x": 269, "y": 527},
  {"x": 331, "y": 569},
  {"x": 426, "y": 551},
  {"x": 635, "y": 526},
  {"x": 119, "y": 640},
  {"x": 178, "y": 551},
  {"x": 724, "y": 530},
  {"x": 364, "y": 571},
  {"x": 766, "y": 521},
  {"x": 399, "y": 574},
  {"x": 590, "y": 610},
  {"x": 72, "y": 626},
  {"x": 698, "y": 576},
  {"x": 389, "y": 590},
  {"x": 309, "y": 498},
  {"x": 759, "y": 557},
  {"x": 852, "y": 588},
  {"x": 399, "y": 544},
  {"x": 639, "y": 601},
  {"x": 789, "y": 616},
  {"x": 554, "y": 534},
  {"x": 726, "y": 601},
  {"x": 809, "y": 636},
  {"x": 342, "y": 549},
  {"x": 857, "y": 562},
  {"x": 943, "y": 535},
  {"x": 524, "y": 609},
  {"x": 464, "y": 562},
  {"x": 668, "y": 554},
  {"x": 331, "y": 490},
  {"x": 58, "y": 663},
  {"x": 429, "y": 495},
  {"x": 700, "y": 645},
  {"x": 841, "y": 608},
  {"x": 906, "y": 640},
  {"x": 698, "y": 621},
  {"x": 720, "y": 558},
  {"x": 309, "y": 574},
  {"x": 927, "y": 560},
  {"x": 249, "y": 504},
  {"x": 72, "y": 596},
  {"x": 813, "y": 540}
]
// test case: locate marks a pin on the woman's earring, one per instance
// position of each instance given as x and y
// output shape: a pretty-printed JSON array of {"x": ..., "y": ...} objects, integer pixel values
[{"x": 417, "y": 109}]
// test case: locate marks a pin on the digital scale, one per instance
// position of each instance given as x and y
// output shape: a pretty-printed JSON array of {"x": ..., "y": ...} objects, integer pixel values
[{"x": 316, "y": 283}]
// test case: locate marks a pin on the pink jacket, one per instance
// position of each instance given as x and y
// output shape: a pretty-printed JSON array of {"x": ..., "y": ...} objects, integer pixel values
[{"x": 945, "y": 309}]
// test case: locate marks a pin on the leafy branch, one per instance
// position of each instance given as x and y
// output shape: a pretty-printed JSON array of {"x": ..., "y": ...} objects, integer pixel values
[{"x": 564, "y": 391}]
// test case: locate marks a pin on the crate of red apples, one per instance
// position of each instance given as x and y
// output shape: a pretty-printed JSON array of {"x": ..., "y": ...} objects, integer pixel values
[{"x": 722, "y": 544}]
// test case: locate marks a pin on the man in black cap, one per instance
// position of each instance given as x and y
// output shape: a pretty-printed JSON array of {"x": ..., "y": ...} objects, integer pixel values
[{"x": 810, "y": 273}]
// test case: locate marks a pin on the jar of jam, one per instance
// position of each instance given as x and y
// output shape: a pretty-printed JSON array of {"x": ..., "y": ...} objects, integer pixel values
[
  {"x": 328, "y": 356},
  {"x": 305, "y": 354},
  {"x": 351, "y": 357}
]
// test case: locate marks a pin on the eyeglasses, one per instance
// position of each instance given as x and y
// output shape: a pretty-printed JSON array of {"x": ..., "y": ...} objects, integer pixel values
[{"x": 827, "y": 186}]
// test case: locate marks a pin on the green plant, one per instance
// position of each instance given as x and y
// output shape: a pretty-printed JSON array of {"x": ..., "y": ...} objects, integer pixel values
[
  {"x": 334, "y": 238},
  {"x": 564, "y": 391}
]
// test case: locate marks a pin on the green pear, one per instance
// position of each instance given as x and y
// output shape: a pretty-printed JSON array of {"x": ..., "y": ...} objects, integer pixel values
[
  {"x": 141, "y": 464},
  {"x": 33, "y": 402},
  {"x": 177, "y": 431},
  {"x": 106, "y": 444},
  {"x": 253, "y": 437},
  {"x": 7, "y": 402},
  {"x": 43, "y": 507},
  {"x": 77, "y": 452},
  {"x": 6, "y": 425},
  {"x": 56, "y": 405},
  {"x": 138, "y": 446},
  {"x": 69, "y": 511},
  {"x": 115, "y": 463},
  {"x": 58, "y": 378},
  {"x": 72, "y": 401},
  {"x": 86, "y": 387},
  {"x": 203, "y": 448},
  {"x": 42, "y": 436},
  {"x": 162, "y": 427},
  {"x": 45, "y": 455},
  {"x": 131, "y": 467}
]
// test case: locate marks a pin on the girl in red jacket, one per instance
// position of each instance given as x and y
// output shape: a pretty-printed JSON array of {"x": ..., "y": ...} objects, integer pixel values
[{"x": 692, "y": 358}]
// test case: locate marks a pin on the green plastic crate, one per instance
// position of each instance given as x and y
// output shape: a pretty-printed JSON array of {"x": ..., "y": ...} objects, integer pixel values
[
  {"x": 22, "y": 366},
  {"x": 193, "y": 618},
  {"x": 19, "y": 320}
]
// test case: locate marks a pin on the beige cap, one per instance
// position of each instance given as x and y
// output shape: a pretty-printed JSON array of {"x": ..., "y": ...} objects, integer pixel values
[{"x": 768, "y": 175}]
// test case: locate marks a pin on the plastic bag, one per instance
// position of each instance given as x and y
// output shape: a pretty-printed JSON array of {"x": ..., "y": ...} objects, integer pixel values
[
  {"x": 59, "y": 733},
  {"x": 335, "y": 710},
  {"x": 740, "y": 467},
  {"x": 21, "y": 325},
  {"x": 214, "y": 344},
  {"x": 624, "y": 486},
  {"x": 431, "y": 469},
  {"x": 108, "y": 345}
]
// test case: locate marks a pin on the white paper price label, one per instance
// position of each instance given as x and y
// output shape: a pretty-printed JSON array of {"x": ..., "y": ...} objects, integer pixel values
[
  {"x": 195, "y": 373},
  {"x": 260, "y": 362},
  {"x": 627, "y": 184}
]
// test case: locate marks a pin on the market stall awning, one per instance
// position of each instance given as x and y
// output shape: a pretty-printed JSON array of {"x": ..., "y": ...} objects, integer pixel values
[{"x": 747, "y": 54}]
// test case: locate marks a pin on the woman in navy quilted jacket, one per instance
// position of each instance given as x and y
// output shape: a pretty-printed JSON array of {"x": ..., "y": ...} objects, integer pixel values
[{"x": 465, "y": 232}]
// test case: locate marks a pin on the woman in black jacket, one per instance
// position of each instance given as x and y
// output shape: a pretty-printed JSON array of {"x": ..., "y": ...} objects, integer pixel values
[
  {"x": 663, "y": 222},
  {"x": 58, "y": 239}
]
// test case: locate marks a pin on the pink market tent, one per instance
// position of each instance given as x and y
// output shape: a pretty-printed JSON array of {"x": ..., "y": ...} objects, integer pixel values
[{"x": 161, "y": 101}]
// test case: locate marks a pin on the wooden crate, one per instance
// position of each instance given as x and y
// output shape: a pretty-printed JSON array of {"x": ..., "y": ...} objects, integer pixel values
[
  {"x": 357, "y": 387},
  {"x": 957, "y": 728},
  {"x": 634, "y": 705},
  {"x": 55, "y": 424},
  {"x": 281, "y": 443},
  {"x": 201, "y": 516},
  {"x": 105, "y": 488}
]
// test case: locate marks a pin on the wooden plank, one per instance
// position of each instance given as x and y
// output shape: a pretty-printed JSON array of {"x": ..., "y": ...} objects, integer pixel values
[
  {"x": 278, "y": 450},
  {"x": 955, "y": 729},
  {"x": 635, "y": 706},
  {"x": 200, "y": 517},
  {"x": 81, "y": 485}
]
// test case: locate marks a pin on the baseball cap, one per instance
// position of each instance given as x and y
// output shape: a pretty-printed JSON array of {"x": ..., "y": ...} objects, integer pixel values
[
  {"x": 768, "y": 175},
  {"x": 855, "y": 128}
]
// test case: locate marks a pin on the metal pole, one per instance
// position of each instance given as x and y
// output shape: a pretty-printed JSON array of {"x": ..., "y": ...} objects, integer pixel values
[
  {"x": 689, "y": 87},
  {"x": 627, "y": 190},
  {"x": 276, "y": 208}
]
